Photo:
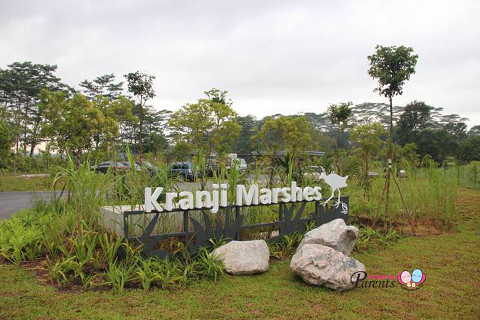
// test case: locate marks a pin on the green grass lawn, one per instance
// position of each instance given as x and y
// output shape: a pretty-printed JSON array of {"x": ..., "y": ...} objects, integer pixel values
[
  {"x": 451, "y": 291},
  {"x": 10, "y": 182}
]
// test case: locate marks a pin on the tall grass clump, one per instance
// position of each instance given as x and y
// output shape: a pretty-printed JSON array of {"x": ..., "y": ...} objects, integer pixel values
[
  {"x": 467, "y": 175},
  {"x": 428, "y": 192},
  {"x": 86, "y": 190}
]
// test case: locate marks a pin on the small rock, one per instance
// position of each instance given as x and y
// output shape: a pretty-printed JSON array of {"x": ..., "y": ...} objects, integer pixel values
[
  {"x": 323, "y": 266},
  {"x": 335, "y": 234},
  {"x": 274, "y": 233},
  {"x": 244, "y": 257}
]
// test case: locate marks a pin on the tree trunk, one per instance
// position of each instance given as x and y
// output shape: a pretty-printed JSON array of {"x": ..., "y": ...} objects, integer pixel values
[
  {"x": 33, "y": 140},
  {"x": 390, "y": 139},
  {"x": 140, "y": 136},
  {"x": 78, "y": 158},
  {"x": 337, "y": 165},
  {"x": 32, "y": 148},
  {"x": 389, "y": 161},
  {"x": 366, "y": 165}
]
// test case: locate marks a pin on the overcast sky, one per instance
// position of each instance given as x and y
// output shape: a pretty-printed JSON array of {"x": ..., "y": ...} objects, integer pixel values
[{"x": 272, "y": 56}]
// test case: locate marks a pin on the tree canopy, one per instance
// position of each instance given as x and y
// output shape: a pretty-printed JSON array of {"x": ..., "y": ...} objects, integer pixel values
[
  {"x": 289, "y": 134},
  {"x": 71, "y": 125},
  {"x": 20, "y": 87},
  {"x": 391, "y": 66},
  {"x": 207, "y": 126}
]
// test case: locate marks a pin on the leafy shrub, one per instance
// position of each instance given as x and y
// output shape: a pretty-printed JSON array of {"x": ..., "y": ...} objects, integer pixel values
[
  {"x": 369, "y": 238},
  {"x": 286, "y": 245},
  {"x": 119, "y": 274}
]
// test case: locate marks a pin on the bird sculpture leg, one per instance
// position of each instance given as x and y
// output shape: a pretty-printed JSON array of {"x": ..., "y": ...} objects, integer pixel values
[
  {"x": 328, "y": 200},
  {"x": 338, "y": 201}
]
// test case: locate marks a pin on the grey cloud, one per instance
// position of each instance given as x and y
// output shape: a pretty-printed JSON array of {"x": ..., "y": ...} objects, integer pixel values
[{"x": 272, "y": 56}]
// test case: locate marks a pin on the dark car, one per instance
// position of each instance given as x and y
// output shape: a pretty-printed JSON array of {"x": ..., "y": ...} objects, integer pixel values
[
  {"x": 116, "y": 166},
  {"x": 137, "y": 166},
  {"x": 147, "y": 166},
  {"x": 124, "y": 166},
  {"x": 182, "y": 170}
]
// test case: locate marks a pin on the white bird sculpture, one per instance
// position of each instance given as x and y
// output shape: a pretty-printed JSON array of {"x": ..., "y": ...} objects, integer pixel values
[{"x": 335, "y": 182}]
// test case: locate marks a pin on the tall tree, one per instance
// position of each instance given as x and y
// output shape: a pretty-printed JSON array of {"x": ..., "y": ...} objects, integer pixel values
[
  {"x": 455, "y": 125},
  {"x": 470, "y": 149},
  {"x": 104, "y": 86},
  {"x": 434, "y": 133},
  {"x": 474, "y": 131},
  {"x": 71, "y": 124},
  {"x": 339, "y": 115},
  {"x": 20, "y": 86},
  {"x": 319, "y": 121},
  {"x": 208, "y": 125},
  {"x": 438, "y": 144},
  {"x": 289, "y": 134},
  {"x": 140, "y": 85},
  {"x": 243, "y": 144},
  {"x": 119, "y": 110},
  {"x": 392, "y": 66},
  {"x": 6, "y": 143},
  {"x": 416, "y": 118},
  {"x": 155, "y": 126},
  {"x": 369, "y": 112}
]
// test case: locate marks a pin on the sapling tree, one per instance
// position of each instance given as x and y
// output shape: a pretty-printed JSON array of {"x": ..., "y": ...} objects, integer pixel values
[
  {"x": 339, "y": 115},
  {"x": 369, "y": 139},
  {"x": 391, "y": 66}
]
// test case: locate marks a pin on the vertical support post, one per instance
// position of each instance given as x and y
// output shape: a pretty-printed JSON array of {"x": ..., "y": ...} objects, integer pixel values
[
  {"x": 185, "y": 226},
  {"x": 317, "y": 213},
  {"x": 227, "y": 223},
  {"x": 281, "y": 222},
  {"x": 237, "y": 215}
]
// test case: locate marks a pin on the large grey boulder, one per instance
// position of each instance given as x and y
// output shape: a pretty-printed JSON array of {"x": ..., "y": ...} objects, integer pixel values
[
  {"x": 323, "y": 266},
  {"x": 335, "y": 234},
  {"x": 244, "y": 257}
]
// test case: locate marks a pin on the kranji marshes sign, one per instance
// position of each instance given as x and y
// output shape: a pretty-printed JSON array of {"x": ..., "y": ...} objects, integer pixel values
[
  {"x": 197, "y": 217},
  {"x": 217, "y": 198}
]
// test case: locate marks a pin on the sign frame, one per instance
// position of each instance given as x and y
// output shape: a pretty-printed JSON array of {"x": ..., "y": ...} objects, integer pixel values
[{"x": 289, "y": 221}]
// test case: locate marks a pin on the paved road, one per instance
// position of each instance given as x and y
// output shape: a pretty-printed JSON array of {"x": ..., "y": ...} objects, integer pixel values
[{"x": 12, "y": 201}]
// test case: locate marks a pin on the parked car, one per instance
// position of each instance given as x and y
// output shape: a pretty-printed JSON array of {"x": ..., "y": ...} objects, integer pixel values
[
  {"x": 243, "y": 164},
  {"x": 124, "y": 166},
  {"x": 150, "y": 167},
  {"x": 182, "y": 170},
  {"x": 116, "y": 166},
  {"x": 238, "y": 163},
  {"x": 137, "y": 166}
]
